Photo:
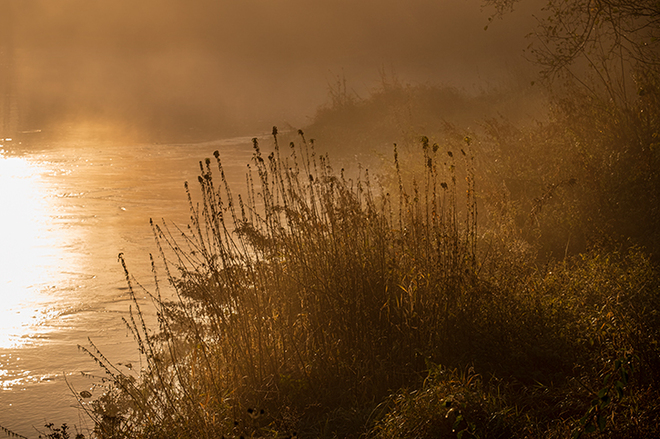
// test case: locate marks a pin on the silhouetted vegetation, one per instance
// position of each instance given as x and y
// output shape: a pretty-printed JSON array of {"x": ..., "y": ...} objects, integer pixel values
[
  {"x": 497, "y": 278},
  {"x": 491, "y": 275},
  {"x": 401, "y": 112},
  {"x": 316, "y": 305}
]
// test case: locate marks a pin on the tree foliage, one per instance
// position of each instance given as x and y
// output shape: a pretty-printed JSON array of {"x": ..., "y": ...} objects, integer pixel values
[{"x": 609, "y": 46}]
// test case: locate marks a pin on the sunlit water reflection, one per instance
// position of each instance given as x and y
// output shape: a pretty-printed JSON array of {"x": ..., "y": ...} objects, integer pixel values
[
  {"x": 66, "y": 212},
  {"x": 28, "y": 251}
]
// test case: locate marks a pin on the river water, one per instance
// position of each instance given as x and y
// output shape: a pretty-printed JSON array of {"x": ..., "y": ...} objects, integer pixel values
[{"x": 66, "y": 211}]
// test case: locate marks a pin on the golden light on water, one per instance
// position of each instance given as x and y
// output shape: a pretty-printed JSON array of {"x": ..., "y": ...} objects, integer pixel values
[{"x": 27, "y": 253}]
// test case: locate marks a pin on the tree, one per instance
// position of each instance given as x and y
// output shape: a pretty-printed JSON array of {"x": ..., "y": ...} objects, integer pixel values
[
  {"x": 609, "y": 46},
  {"x": 601, "y": 60}
]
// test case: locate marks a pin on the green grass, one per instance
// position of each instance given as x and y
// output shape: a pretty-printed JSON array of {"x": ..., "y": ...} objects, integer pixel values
[{"x": 566, "y": 359}]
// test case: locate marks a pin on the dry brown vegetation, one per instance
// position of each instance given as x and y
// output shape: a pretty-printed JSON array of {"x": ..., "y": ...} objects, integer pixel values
[{"x": 322, "y": 306}]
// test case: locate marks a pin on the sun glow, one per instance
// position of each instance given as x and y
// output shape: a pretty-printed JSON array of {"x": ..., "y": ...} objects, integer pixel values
[{"x": 27, "y": 255}]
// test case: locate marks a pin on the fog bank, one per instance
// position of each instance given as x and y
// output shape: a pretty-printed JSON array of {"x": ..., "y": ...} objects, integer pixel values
[{"x": 175, "y": 69}]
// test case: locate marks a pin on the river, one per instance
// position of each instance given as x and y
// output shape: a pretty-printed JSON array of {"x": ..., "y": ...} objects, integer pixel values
[{"x": 67, "y": 210}]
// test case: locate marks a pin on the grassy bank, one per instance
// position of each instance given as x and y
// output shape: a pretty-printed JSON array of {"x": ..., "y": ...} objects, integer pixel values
[
  {"x": 317, "y": 305},
  {"x": 498, "y": 278}
]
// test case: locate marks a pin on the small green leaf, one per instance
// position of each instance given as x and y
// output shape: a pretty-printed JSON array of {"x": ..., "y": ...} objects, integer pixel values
[
  {"x": 602, "y": 422},
  {"x": 605, "y": 401},
  {"x": 590, "y": 428},
  {"x": 619, "y": 389}
]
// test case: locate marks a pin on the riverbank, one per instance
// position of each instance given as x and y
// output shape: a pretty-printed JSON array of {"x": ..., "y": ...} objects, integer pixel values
[
  {"x": 324, "y": 307},
  {"x": 491, "y": 282}
]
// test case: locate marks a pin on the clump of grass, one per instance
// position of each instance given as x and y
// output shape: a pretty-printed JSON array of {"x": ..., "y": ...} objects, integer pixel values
[
  {"x": 61, "y": 432},
  {"x": 572, "y": 351},
  {"x": 314, "y": 292},
  {"x": 450, "y": 403},
  {"x": 318, "y": 305}
]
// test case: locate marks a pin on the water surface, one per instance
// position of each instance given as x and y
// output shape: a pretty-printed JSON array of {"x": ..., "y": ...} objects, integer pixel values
[{"x": 66, "y": 211}]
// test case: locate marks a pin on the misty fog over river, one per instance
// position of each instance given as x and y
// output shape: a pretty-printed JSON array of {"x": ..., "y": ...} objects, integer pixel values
[
  {"x": 163, "y": 70},
  {"x": 477, "y": 254},
  {"x": 68, "y": 210},
  {"x": 126, "y": 97}
]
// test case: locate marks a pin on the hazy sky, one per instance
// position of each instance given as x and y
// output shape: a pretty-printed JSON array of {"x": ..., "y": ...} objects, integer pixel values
[{"x": 241, "y": 65}]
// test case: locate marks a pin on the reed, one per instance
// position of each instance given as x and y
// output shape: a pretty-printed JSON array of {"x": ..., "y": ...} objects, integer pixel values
[
  {"x": 313, "y": 304},
  {"x": 312, "y": 292}
]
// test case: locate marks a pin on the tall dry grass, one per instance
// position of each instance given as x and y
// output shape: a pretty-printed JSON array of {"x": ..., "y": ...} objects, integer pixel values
[
  {"x": 317, "y": 305},
  {"x": 310, "y": 296}
]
